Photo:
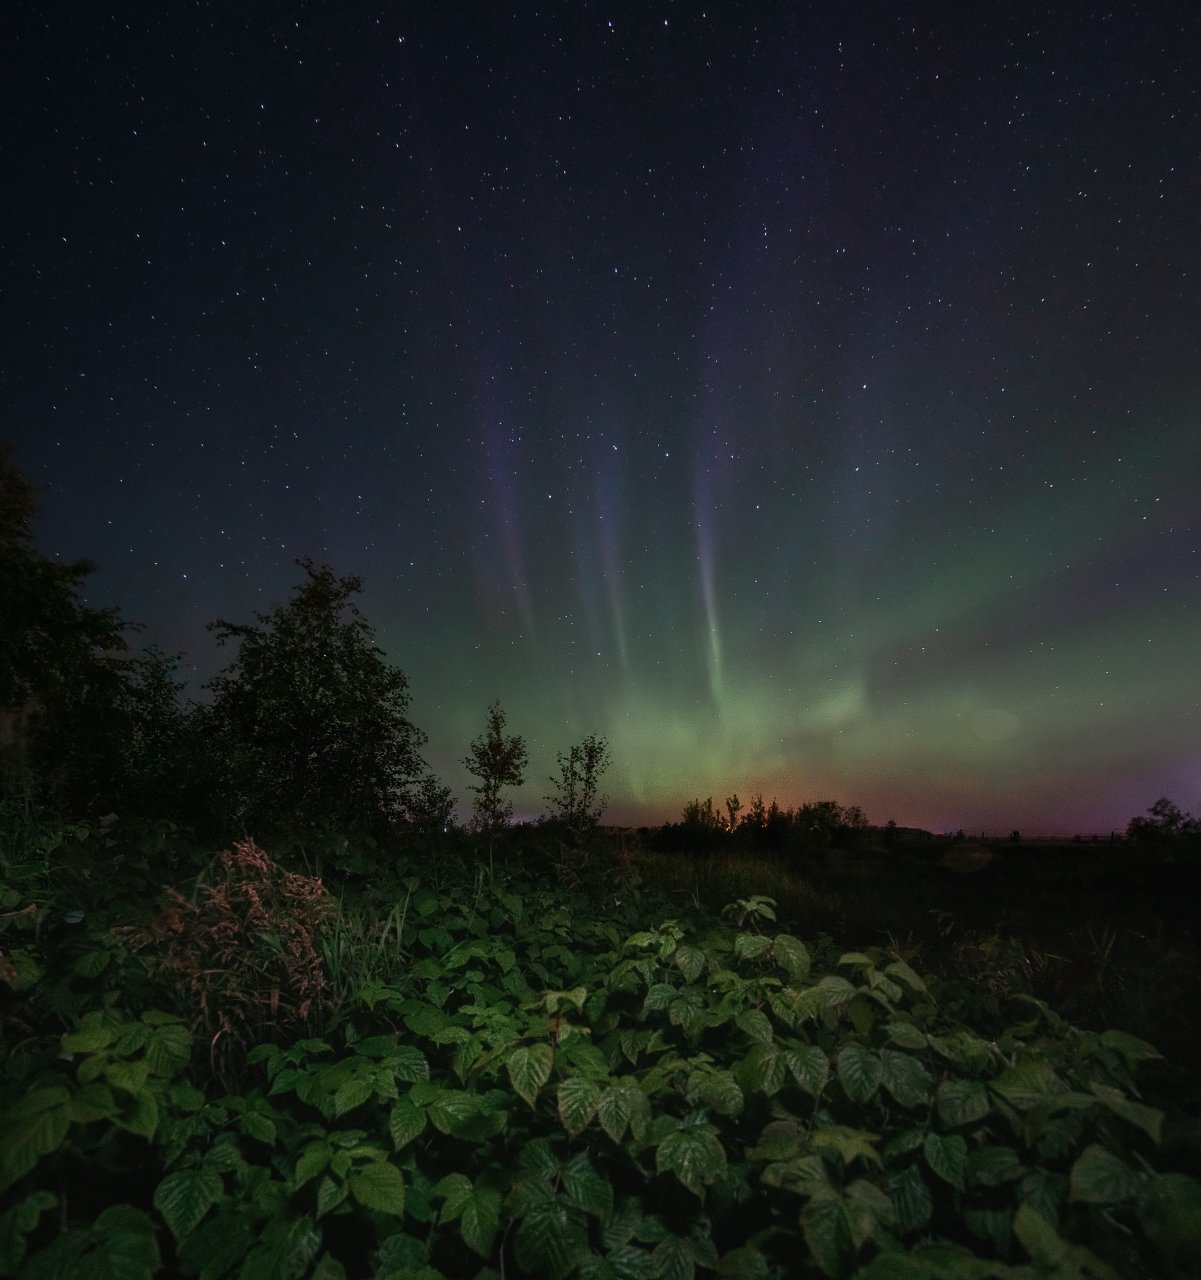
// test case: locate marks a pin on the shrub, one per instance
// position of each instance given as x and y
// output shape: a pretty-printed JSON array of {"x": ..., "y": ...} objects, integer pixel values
[{"x": 243, "y": 953}]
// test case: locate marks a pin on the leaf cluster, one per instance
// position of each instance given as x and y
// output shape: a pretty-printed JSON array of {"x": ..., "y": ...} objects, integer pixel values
[{"x": 532, "y": 1089}]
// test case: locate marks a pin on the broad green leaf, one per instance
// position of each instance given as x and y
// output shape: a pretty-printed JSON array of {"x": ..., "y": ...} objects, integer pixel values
[
  {"x": 310, "y": 1162},
  {"x": 744, "y": 1263},
  {"x": 906, "y": 1035},
  {"x": 95, "y": 1102},
  {"x": 624, "y": 1262},
  {"x": 18, "y": 1221},
  {"x": 1129, "y": 1047},
  {"x": 1170, "y": 1214},
  {"x": 139, "y": 1114},
  {"x": 827, "y": 1231},
  {"x": 168, "y": 1049},
  {"x": 352, "y": 1094},
  {"x": 184, "y": 1198},
  {"x": 673, "y": 1259},
  {"x": 579, "y": 1100},
  {"x": 800, "y": 1176},
  {"x": 809, "y": 1066},
  {"x": 408, "y": 1063},
  {"x": 480, "y": 1220},
  {"x": 379, "y": 1185},
  {"x": 962, "y": 1102},
  {"x": 41, "y": 1127},
  {"x": 328, "y": 1268},
  {"x": 717, "y": 1091},
  {"x": 642, "y": 939},
  {"x": 455, "y": 1190},
  {"x": 285, "y": 1251},
  {"x": 552, "y": 1239},
  {"x": 947, "y": 1156},
  {"x": 538, "y": 1159},
  {"x": 129, "y": 1076},
  {"x": 1148, "y": 1119},
  {"x": 658, "y": 997},
  {"x": 688, "y": 1010},
  {"x": 454, "y": 1111},
  {"x": 992, "y": 1223},
  {"x": 901, "y": 1142},
  {"x": 694, "y": 1154},
  {"x": 899, "y": 969},
  {"x": 910, "y": 1199},
  {"x": 88, "y": 1039},
  {"x": 1044, "y": 1191},
  {"x": 119, "y": 1245},
  {"x": 754, "y": 1023},
  {"x": 405, "y": 1123},
  {"x": 834, "y": 992},
  {"x": 1100, "y": 1177},
  {"x": 906, "y": 1078},
  {"x": 792, "y": 956},
  {"x": 859, "y": 1071},
  {"x": 330, "y": 1194},
  {"x": 763, "y": 1070},
  {"x": 690, "y": 960},
  {"x": 529, "y": 1069},
  {"x": 1027, "y": 1082},
  {"x": 585, "y": 1187},
  {"x": 965, "y": 1050},
  {"x": 992, "y": 1166},
  {"x": 848, "y": 1144},
  {"x": 622, "y": 1105},
  {"x": 869, "y": 1211},
  {"x": 554, "y": 1001},
  {"x": 1037, "y": 1236},
  {"x": 259, "y": 1127},
  {"x": 749, "y": 945},
  {"x": 623, "y": 1223}
]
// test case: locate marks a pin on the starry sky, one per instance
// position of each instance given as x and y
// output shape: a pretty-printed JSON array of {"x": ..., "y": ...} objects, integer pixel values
[{"x": 806, "y": 397}]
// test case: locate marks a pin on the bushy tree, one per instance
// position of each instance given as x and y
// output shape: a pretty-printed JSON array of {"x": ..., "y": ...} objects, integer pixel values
[
  {"x": 1166, "y": 826},
  {"x": 430, "y": 806},
  {"x": 576, "y": 800},
  {"x": 497, "y": 760},
  {"x": 68, "y": 692},
  {"x": 309, "y": 721}
]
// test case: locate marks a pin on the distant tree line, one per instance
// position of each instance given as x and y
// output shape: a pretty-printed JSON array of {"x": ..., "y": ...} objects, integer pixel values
[
  {"x": 1165, "y": 829},
  {"x": 306, "y": 729},
  {"x": 811, "y": 827}
]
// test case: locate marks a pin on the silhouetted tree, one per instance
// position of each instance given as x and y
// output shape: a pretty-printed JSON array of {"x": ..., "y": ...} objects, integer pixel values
[
  {"x": 1167, "y": 826},
  {"x": 430, "y": 806},
  {"x": 69, "y": 696},
  {"x": 576, "y": 801},
  {"x": 497, "y": 760},
  {"x": 309, "y": 721}
]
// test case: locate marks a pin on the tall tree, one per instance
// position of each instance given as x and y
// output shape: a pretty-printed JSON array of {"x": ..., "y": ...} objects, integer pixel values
[
  {"x": 309, "y": 720},
  {"x": 576, "y": 800},
  {"x": 62, "y": 670},
  {"x": 497, "y": 760}
]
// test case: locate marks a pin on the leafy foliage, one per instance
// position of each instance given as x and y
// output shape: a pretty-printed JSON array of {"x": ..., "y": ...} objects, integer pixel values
[
  {"x": 242, "y": 955},
  {"x": 496, "y": 760},
  {"x": 309, "y": 723},
  {"x": 529, "y": 1085},
  {"x": 576, "y": 801}
]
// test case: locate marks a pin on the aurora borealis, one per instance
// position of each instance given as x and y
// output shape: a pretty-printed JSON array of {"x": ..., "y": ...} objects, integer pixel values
[{"x": 806, "y": 398}]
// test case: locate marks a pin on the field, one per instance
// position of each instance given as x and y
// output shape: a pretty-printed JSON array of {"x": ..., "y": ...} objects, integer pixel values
[{"x": 934, "y": 1060}]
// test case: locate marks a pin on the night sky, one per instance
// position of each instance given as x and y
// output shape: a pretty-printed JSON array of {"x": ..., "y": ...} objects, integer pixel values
[{"x": 807, "y": 398}]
